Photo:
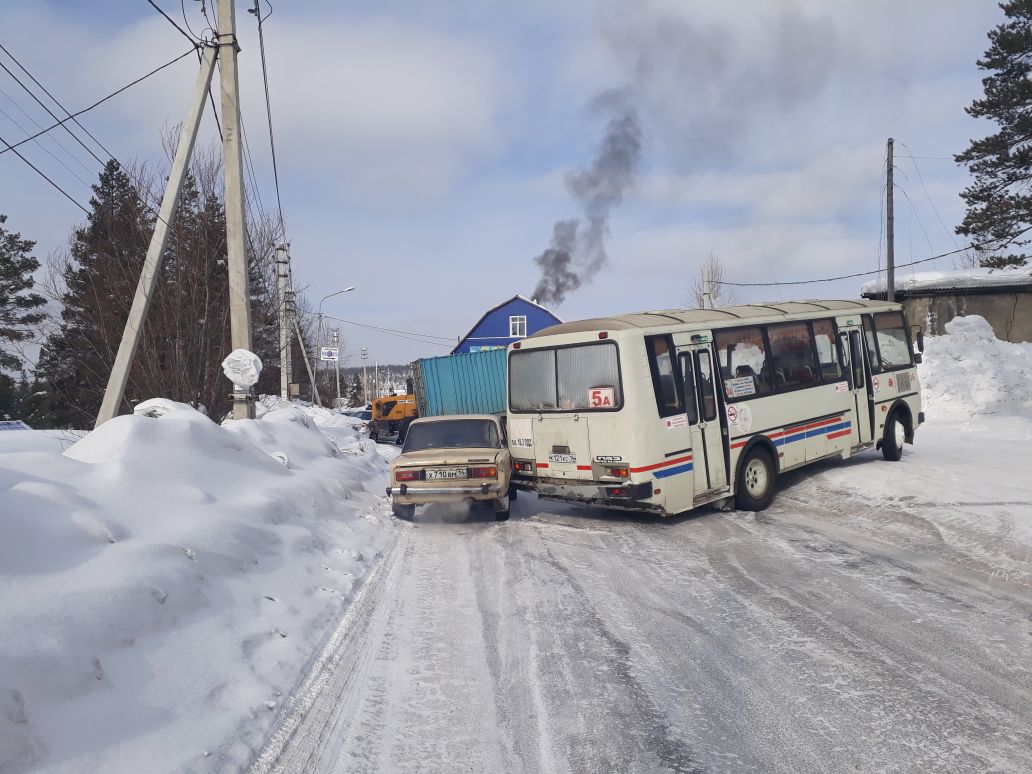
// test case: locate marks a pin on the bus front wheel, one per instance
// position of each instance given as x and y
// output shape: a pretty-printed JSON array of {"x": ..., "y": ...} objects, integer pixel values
[
  {"x": 895, "y": 435},
  {"x": 755, "y": 487}
]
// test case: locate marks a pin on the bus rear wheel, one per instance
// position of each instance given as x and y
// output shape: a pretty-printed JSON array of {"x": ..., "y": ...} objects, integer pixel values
[
  {"x": 756, "y": 476},
  {"x": 895, "y": 435}
]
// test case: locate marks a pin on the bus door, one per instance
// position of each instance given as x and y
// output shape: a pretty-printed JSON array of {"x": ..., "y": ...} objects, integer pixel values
[
  {"x": 703, "y": 400},
  {"x": 858, "y": 374}
]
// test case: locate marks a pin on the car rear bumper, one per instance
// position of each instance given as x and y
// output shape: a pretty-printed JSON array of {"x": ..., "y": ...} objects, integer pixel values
[{"x": 405, "y": 494}]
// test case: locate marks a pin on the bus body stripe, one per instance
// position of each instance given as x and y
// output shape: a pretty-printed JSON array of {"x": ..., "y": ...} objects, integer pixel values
[
  {"x": 835, "y": 430},
  {"x": 666, "y": 473},
  {"x": 663, "y": 464}
]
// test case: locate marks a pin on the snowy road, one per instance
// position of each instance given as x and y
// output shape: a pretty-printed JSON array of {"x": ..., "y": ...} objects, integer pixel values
[{"x": 871, "y": 620}]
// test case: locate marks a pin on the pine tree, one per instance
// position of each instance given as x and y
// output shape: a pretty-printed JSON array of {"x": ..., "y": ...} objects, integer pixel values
[
  {"x": 100, "y": 277},
  {"x": 20, "y": 309},
  {"x": 999, "y": 202}
]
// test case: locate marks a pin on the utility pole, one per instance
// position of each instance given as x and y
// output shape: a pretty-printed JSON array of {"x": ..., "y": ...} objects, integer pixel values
[
  {"x": 115, "y": 391},
  {"x": 304, "y": 356},
  {"x": 707, "y": 288},
  {"x": 336, "y": 343},
  {"x": 284, "y": 322},
  {"x": 232, "y": 156},
  {"x": 365, "y": 377},
  {"x": 376, "y": 379},
  {"x": 890, "y": 239}
]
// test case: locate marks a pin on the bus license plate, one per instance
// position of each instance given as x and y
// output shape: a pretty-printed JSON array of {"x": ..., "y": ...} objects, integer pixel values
[
  {"x": 567, "y": 458},
  {"x": 439, "y": 473}
]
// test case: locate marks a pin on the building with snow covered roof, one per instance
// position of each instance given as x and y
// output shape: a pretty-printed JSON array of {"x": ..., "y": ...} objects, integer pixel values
[
  {"x": 933, "y": 298},
  {"x": 509, "y": 321}
]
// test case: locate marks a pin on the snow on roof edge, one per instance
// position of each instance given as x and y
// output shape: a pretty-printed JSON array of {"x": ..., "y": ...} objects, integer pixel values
[{"x": 956, "y": 278}]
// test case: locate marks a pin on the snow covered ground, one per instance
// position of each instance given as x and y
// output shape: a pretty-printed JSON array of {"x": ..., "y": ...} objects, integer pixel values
[
  {"x": 174, "y": 597},
  {"x": 165, "y": 581},
  {"x": 875, "y": 618}
]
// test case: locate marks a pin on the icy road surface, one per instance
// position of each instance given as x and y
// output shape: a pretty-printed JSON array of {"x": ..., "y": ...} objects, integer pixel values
[{"x": 877, "y": 618}]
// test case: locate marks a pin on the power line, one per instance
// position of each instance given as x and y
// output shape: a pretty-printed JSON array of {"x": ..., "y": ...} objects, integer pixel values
[
  {"x": 45, "y": 149},
  {"x": 423, "y": 338},
  {"x": 43, "y": 175},
  {"x": 173, "y": 21},
  {"x": 852, "y": 276},
  {"x": 38, "y": 125},
  {"x": 99, "y": 102},
  {"x": 268, "y": 111}
]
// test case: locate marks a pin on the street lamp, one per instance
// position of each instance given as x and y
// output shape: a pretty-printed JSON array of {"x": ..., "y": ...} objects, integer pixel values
[{"x": 320, "y": 327}]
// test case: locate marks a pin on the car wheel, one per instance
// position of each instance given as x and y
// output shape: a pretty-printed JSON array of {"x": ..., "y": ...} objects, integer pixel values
[
  {"x": 892, "y": 441},
  {"x": 502, "y": 509},
  {"x": 404, "y": 512},
  {"x": 755, "y": 487}
]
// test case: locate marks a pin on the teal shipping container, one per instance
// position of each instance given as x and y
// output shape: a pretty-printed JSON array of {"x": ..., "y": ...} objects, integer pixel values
[{"x": 470, "y": 383}]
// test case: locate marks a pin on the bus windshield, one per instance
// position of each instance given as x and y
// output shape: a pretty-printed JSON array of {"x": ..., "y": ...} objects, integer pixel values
[{"x": 583, "y": 377}]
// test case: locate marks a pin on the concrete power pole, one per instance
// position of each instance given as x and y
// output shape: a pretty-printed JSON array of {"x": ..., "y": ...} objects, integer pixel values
[
  {"x": 284, "y": 322},
  {"x": 115, "y": 391},
  {"x": 890, "y": 239},
  {"x": 232, "y": 156},
  {"x": 365, "y": 377},
  {"x": 336, "y": 343}
]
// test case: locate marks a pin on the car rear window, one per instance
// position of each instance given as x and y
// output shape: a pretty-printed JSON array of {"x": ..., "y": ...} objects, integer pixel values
[{"x": 452, "y": 434}]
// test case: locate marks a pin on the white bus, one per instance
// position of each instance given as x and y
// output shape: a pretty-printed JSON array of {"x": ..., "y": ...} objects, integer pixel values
[{"x": 664, "y": 411}]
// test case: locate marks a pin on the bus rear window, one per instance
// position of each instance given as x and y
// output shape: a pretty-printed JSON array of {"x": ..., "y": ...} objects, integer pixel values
[{"x": 584, "y": 377}]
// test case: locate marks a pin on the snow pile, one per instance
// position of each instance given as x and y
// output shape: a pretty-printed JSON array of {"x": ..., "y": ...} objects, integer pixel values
[
  {"x": 959, "y": 278},
  {"x": 969, "y": 371},
  {"x": 164, "y": 581}
]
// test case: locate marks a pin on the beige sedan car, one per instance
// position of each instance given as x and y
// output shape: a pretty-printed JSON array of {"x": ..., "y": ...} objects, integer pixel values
[{"x": 452, "y": 459}]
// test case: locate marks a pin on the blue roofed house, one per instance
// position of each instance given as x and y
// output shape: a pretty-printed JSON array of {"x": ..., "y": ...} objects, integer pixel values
[{"x": 501, "y": 325}]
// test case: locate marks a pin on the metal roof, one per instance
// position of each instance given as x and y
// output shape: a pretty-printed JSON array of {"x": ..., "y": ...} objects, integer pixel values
[{"x": 724, "y": 315}]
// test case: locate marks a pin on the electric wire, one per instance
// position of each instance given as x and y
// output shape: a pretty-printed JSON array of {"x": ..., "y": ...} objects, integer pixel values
[
  {"x": 422, "y": 338},
  {"x": 99, "y": 102},
  {"x": 45, "y": 149},
  {"x": 58, "y": 103},
  {"x": 53, "y": 139},
  {"x": 920, "y": 177},
  {"x": 172, "y": 21},
  {"x": 972, "y": 246},
  {"x": 268, "y": 112},
  {"x": 42, "y": 174}
]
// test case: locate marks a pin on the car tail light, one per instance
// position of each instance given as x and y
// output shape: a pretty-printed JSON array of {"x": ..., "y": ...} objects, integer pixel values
[
  {"x": 620, "y": 471},
  {"x": 408, "y": 475},
  {"x": 523, "y": 467},
  {"x": 484, "y": 472}
]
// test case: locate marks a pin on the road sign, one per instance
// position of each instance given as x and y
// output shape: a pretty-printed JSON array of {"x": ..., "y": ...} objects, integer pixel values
[{"x": 328, "y": 353}]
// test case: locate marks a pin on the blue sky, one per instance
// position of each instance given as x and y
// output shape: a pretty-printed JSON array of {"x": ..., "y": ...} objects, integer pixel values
[{"x": 423, "y": 145}]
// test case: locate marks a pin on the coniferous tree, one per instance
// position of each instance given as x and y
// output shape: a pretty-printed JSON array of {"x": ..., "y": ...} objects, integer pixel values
[
  {"x": 99, "y": 278},
  {"x": 20, "y": 309},
  {"x": 999, "y": 201}
]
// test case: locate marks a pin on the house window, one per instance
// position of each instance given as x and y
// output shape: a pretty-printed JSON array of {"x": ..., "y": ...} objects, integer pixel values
[{"x": 518, "y": 326}]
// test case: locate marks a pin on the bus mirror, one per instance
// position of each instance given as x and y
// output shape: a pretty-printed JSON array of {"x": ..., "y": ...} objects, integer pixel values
[
  {"x": 918, "y": 358},
  {"x": 920, "y": 338}
]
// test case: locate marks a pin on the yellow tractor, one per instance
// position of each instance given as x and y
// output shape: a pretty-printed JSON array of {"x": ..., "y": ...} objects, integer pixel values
[{"x": 392, "y": 414}]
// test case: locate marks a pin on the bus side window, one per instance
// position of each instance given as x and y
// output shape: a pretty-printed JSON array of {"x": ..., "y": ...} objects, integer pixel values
[
  {"x": 691, "y": 404},
  {"x": 824, "y": 338},
  {"x": 664, "y": 379},
  {"x": 706, "y": 385},
  {"x": 843, "y": 356}
]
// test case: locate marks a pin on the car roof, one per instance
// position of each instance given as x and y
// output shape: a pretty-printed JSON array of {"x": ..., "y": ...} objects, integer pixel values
[{"x": 489, "y": 417}]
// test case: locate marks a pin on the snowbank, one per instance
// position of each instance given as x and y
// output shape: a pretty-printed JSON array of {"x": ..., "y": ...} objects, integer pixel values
[
  {"x": 164, "y": 581},
  {"x": 969, "y": 372}
]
